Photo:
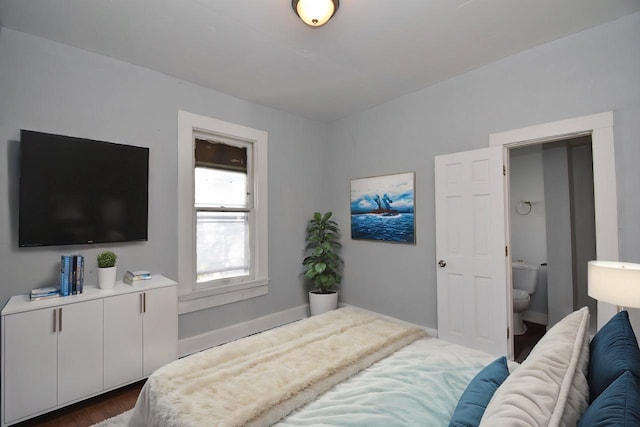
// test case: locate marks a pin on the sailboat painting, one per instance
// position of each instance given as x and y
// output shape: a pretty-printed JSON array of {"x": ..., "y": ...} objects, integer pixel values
[{"x": 382, "y": 208}]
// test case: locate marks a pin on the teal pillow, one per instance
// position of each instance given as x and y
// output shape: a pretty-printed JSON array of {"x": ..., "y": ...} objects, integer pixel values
[
  {"x": 618, "y": 405},
  {"x": 478, "y": 393},
  {"x": 613, "y": 350}
]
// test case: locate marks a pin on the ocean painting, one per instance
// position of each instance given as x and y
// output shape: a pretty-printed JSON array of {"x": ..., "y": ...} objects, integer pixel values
[{"x": 382, "y": 208}]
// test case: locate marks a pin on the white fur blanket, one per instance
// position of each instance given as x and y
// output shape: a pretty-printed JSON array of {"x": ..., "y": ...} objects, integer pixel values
[{"x": 259, "y": 379}]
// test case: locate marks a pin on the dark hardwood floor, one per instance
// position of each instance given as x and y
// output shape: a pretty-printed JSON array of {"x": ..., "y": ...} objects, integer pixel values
[
  {"x": 523, "y": 344},
  {"x": 91, "y": 411}
]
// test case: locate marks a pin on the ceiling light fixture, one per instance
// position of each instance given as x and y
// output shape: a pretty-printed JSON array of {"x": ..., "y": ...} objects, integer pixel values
[{"x": 315, "y": 13}]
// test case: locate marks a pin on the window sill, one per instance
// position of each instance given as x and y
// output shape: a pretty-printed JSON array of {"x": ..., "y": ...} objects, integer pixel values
[{"x": 220, "y": 295}]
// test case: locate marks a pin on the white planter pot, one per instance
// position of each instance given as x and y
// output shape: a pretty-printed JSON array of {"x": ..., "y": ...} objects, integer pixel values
[
  {"x": 321, "y": 303},
  {"x": 107, "y": 277}
]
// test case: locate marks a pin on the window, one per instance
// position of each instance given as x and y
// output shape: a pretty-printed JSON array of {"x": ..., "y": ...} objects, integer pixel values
[
  {"x": 224, "y": 210},
  {"x": 222, "y": 213}
]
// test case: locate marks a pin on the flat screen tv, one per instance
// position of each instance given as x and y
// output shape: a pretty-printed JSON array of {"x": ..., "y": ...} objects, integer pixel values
[{"x": 77, "y": 191}]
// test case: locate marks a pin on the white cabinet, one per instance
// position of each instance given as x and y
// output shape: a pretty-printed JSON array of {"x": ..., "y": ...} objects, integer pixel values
[
  {"x": 53, "y": 356},
  {"x": 59, "y": 351},
  {"x": 160, "y": 332},
  {"x": 79, "y": 350},
  {"x": 122, "y": 339},
  {"x": 140, "y": 334},
  {"x": 32, "y": 373}
]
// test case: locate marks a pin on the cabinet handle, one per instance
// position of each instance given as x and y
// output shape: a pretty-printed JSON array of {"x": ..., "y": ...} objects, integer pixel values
[
  {"x": 60, "y": 320},
  {"x": 143, "y": 302},
  {"x": 55, "y": 319}
]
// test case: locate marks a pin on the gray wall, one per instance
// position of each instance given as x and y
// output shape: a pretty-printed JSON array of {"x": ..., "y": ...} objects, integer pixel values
[
  {"x": 586, "y": 73},
  {"x": 54, "y": 88},
  {"x": 627, "y": 130},
  {"x": 51, "y": 87}
]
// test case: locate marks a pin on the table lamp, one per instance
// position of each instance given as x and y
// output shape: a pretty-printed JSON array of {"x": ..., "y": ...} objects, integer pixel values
[{"x": 614, "y": 282}]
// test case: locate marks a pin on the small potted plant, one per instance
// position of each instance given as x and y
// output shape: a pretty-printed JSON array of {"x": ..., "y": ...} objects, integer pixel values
[
  {"x": 323, "y": 264},
  {"x": 107, "y": 270}
]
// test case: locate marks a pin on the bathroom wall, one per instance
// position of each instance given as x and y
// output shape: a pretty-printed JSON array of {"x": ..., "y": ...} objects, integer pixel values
[
  {"x": 528, "y": 232},
  {"x": 568, "y": 178},
  {"x": 559, "y": 251},
  {"x": 583, "y": 221}
]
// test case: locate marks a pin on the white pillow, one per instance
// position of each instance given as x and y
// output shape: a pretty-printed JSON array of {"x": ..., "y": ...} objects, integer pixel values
[{"x": 550, "y": 387}]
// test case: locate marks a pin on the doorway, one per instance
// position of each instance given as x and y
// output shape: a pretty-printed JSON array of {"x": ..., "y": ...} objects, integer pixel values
[
  {"x": 600, "y": 128},
  {"x": 552, "y": 218}
]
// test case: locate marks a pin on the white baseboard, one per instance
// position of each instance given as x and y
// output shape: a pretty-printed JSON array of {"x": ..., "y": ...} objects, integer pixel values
[
  {"x": 187, "y": 346},
  {"x": 536, "y": 317}
]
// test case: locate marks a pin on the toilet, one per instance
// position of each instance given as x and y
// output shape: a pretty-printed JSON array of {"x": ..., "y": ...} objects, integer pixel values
[{"x": 524, "y": 281}]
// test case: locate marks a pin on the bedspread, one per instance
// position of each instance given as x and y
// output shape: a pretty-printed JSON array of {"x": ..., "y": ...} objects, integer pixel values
[
  {"x": 259, "y": 379},
  {"x": 418, "y": 385}
]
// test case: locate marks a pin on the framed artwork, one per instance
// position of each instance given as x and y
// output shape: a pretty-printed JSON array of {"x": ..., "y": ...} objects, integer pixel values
[{"x": 382, "y": 208}]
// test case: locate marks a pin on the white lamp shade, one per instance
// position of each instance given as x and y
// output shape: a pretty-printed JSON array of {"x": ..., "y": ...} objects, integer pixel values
[
  {"x": 315, "y": 12},
  {"x": 615, "y": 282}
]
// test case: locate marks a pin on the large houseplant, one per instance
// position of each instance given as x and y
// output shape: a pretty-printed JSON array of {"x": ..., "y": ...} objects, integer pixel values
[
  {"x": 323, "y": 263},
  {"x": 106, "y": 269}
]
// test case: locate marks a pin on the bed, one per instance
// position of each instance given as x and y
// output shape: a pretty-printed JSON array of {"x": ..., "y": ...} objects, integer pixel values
[{"x": 352, "y": 368}]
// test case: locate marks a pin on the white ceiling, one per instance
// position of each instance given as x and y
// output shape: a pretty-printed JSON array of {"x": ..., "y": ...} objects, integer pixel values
[{"x": 370, "y": 52}]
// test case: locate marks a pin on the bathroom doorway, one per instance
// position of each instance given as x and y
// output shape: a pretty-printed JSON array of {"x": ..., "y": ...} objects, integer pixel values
[
  {"x": 552, "y": 220},
  {"x": 601, "y": 130}
]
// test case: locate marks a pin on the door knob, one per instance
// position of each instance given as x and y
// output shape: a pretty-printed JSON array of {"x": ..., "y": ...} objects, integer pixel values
[{"x": 442, "y": 263}]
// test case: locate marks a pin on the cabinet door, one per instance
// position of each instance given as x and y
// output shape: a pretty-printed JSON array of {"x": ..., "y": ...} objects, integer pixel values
[
  {"x": 160, "y": 335},
  {"x": 122, "y": 339},
  {"x": 80, "y": 352},
  {"x": 29, "y": 357}
]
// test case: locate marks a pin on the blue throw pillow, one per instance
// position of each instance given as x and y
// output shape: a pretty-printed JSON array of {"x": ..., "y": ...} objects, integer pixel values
[
  {"x": 478, "y": 393},
  {"x": 613, "y": 350},
  {"x": 618, "y": 405}
]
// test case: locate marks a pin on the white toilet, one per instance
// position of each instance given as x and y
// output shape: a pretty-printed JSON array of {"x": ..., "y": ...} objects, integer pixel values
[{"x": 524, "y": 280}]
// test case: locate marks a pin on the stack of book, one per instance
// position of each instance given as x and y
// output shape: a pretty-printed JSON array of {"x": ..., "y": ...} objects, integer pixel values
[
  {"x": 133, "y": 277},
  {"x": 44, "y": 293},
  {"x": 71, "y": 274}
]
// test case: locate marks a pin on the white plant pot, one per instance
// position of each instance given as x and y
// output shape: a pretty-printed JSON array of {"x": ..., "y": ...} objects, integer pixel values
[
  {"x": 321, "y": 303},
  {"x": 107, "y": 277}
]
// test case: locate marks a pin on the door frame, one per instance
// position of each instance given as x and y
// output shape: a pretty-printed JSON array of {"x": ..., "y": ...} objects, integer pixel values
[{"x": 600, "y": 127}]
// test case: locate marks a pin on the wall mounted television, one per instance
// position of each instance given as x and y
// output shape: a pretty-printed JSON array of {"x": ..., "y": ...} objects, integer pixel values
[{"x": 77, "y": 191}]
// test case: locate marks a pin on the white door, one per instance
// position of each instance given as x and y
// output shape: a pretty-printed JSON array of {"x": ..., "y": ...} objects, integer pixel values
[{"x": 471, "y": 259}]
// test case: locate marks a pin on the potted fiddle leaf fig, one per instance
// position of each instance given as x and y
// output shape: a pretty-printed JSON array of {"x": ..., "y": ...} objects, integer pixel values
[
  {"x": 323, "y": 263},
  {"x": 107, "y": 269}
]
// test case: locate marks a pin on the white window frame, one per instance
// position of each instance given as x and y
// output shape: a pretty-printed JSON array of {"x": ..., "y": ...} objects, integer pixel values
[{"x": 190, "y": 297}]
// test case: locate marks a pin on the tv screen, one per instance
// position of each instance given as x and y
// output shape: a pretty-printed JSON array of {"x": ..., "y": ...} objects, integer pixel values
[{"x": 80, "y": 191}]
